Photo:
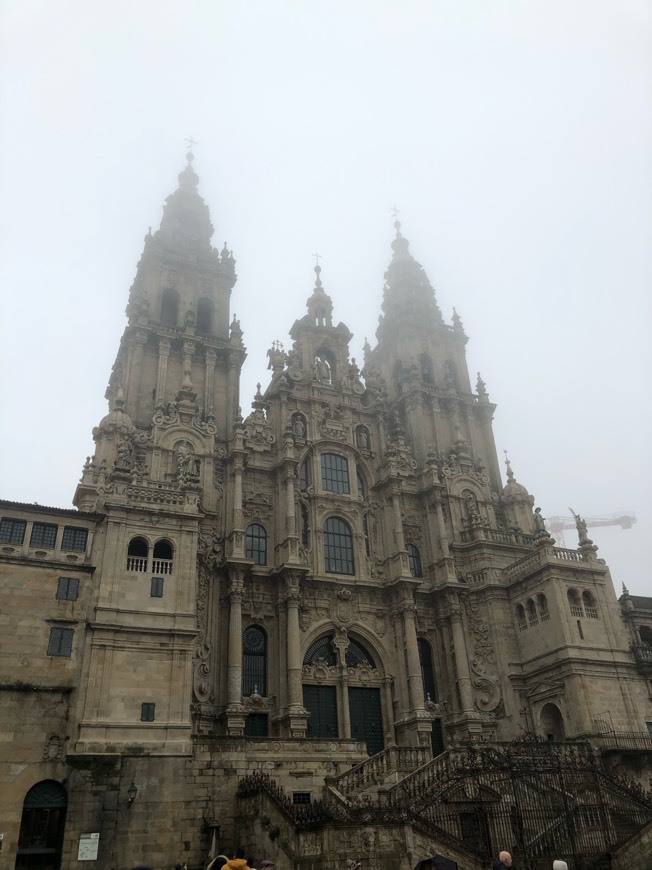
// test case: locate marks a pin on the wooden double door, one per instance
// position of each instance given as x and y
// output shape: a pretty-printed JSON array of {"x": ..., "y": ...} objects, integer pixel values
[{"x": 365, "y": 714}]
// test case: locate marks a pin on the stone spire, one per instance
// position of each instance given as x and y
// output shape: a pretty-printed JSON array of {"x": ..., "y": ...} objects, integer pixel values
[
  {"x": 186, "y": 219},
  {"x": 320, "y": 304},
  {"x": 408, "y": 293}
]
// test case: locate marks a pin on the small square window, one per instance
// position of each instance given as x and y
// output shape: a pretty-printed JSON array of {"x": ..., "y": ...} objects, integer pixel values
[
  {"x": 43, "y": 535},
  {"x": 60, "y": 643},
  {"x": 67, "y": 589},
  {"x": 147, "y": 712},
  {"x": 156, "y": 589},
  {"x": 12, "y": 531},
  {"x": 74, "y": 538},
  {"x": 300, "y": 798}
]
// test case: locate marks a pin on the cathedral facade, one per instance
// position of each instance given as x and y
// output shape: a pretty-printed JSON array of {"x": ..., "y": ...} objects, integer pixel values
[{"x": 313, "y": 605}]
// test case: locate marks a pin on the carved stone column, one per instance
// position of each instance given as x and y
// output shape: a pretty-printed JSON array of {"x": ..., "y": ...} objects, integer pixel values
[
  {"x": 390, "y": 729},
  {"x": 414, "y": 680},
  {"x": 135, "y": 367},
  {"x": 462, "y": 671},
  {"x": 235, "y": 713},
  {"x": 341, "y": 643},
  {"x": 163, "y": 354},
  {"x": 211, "y": 358},
  {"x": 296, "y": 720}
]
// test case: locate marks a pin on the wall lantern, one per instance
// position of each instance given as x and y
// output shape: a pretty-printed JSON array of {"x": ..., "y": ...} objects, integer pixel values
[{"x": 132, "y": 791}]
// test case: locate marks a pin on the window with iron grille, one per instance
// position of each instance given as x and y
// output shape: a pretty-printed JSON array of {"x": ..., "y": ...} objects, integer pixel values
[
  {"x": 74, "y": 538},
  {"x": 334, "y": 473},
  {"x": 338, "y": 546},
  {"x": 321, "y": 650},
  {"x": 12, "y": 531},
  {"x": 256, "y": 544},
  {"x": 254, "y": 661},
  {"x": 147, "y": 711},
  {"x": 300, "y": 798},
  {"x": 60, "y": 642},
  {"x": 414, "y": 560},
  {"x": 156, "y": 588},
  {"x": 43, "y": 535},
  {"x": 356, "y": 655},
  {"x": 67, "y": 589}
]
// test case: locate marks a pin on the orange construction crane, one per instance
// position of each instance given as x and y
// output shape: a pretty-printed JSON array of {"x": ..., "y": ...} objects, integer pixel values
[{"x": 556, "y": 525}]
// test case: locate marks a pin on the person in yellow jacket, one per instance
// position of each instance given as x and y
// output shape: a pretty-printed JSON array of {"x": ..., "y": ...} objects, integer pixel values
[{"x": 237, "y": 863}]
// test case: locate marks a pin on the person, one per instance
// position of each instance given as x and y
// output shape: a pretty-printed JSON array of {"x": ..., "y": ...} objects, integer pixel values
[
  {"x": 266, "y": 865},
  {"x": 503, "y": 861},
  {"x": 217, "y": 863},
  {"x": 237, "y": 863},
  {"x": 251, "y": 861},
  {"x": 559, "y": 865}
]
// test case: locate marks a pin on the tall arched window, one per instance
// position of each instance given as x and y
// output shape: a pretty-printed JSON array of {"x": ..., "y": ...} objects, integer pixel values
[
  {"x": 427, "y": 375},
  {"x": 254, "y": 661},
  {"x": 542, "y": 607},
  {"x": 162, "y": 560},
  {"x": 335, "y": 473},
  {"x": 590, "y": 605},
  {"x": 414, "y": 560},
  {"x": 520, "y": 617},
  {"x": 137, "y": 554},
  {"x": 338, "y": 546},
  {"x": 170, "y": 307},
  {"x": 533, "y": 619},
  {"x": 42, "y": 825},
  {"x": 575, "y": 602},
  {"x": 427, "y": 670},
  {"x": 256, "y": 543},
  {"x": 205, "y": 316}
]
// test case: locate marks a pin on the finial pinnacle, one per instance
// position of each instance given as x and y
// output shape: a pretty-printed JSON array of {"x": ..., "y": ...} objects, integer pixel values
[
  {"x": 397, "y": 223},
  {"x": 190, "y": 143},
  {"x": 510, "y": 473}
]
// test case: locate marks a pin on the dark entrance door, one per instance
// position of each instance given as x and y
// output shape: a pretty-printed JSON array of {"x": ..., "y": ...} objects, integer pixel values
[
  {"x": 41, "y": 827},
  {"x": 366, "y": 717},
  {"x": 321, "y": 703}
]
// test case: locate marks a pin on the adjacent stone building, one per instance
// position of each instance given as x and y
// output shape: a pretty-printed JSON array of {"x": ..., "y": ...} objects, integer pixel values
[{"x": 244, "y": 609}]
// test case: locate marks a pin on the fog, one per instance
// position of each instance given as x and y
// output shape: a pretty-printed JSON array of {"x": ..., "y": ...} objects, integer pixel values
[{"x": 514, "y": 137}]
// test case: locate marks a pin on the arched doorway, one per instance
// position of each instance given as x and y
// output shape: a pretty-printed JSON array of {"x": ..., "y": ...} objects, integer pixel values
[
  {"x": 41, "y": 826},
  {"x": 552, "y": 723}
]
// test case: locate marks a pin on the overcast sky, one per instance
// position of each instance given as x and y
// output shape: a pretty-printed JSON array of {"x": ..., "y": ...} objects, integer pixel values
[{"x": 514, "y": 137}]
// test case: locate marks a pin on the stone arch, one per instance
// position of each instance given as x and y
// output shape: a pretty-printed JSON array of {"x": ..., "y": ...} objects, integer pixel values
[
  {"x": 205, "y": 315},
  {"x": 170, "y": 307},
  {"x": 551, "y": 722},
  {"x": 42, "y": 825}
]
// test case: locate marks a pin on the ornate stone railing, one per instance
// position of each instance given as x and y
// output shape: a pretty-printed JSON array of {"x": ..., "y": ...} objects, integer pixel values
[
  {"x": 376, "y": 769},
  {"x": 425, "y": 778},
  {"x": 496, "y": 536},
  {"x": 568, "y": 555}
]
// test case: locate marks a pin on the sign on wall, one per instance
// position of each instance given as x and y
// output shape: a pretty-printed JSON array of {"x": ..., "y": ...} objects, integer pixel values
[{"x": 88, "y": 846}]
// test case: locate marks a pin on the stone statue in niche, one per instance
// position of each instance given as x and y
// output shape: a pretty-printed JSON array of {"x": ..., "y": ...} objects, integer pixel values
[
  {"x": 321, "y": 370},
  {"x": 187, "y": 463},
  {"x": 363, "y": 438},
  {"x": 299, "y": 426}
]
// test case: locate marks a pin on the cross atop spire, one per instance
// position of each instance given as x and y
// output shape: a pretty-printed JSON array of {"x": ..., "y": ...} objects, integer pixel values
[{"x": 190, "y": 143}]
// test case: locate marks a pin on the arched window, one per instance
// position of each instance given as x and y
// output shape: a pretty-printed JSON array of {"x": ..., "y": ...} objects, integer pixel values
[
  {"x": 590, "y": 605},
  {"x": 645, "y": 633},
  {"x": 137, "y": 554},
  {"x": 254, "y": 661},
  {"x": 335, "y": 473},
  {"x": 356, "y": 655},
  {"x": 575, "y": 602},
  {"x": 552, "y": 723},
  {"x": 520, "y": 617},
  {"x": 205, "y": 316},
  {"x": 321, "y": 650},
  {"x": 533, "y": 619},
  {"x": 426, "y": 369},
  {"x": 256, "y": 543},
  {"x": 414, "y": 560},
  {"x": 170, "y": 307},
  {"x": 542, "y": 607},
  {"x": 162, "y": 557},
  {"x": 427, "y": 670},
  {"x": 338, "y": 546}
]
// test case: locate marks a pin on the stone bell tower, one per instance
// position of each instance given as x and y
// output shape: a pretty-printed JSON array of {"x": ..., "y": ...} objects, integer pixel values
[{"x": 157, "y": 475}]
